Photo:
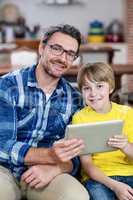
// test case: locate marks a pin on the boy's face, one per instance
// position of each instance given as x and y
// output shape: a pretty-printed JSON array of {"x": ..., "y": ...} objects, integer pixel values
[{"x": 96, "y": 95}]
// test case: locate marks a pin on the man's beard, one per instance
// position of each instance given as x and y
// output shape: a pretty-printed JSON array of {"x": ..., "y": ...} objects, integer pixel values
[
  {"x": 48, "y": 71},
  {"x": 52, "y": 62}
]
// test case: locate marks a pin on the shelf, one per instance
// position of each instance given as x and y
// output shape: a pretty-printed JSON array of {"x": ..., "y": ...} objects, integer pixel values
[
  {"x": 56, "y": 3},
  {"x": 119, "y": 69}
]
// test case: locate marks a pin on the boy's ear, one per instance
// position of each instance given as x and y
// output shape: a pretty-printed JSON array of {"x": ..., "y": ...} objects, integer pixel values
[{"x": 111, "y": 90}]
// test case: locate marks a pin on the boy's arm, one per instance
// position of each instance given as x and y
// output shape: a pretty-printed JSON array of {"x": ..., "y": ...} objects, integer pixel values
[
  {"x": 95, "y": 173},
  {"x": 121, "y": 190}
]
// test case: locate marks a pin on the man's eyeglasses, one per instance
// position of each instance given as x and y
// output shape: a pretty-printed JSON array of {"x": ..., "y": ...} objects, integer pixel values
[{"x": 58, "y": 50}]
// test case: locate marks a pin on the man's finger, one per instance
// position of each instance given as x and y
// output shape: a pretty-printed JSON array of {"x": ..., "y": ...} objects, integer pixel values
[
  {"x": 68, "y": 155},
  {"x": 34, "y": 182},
  {"x": 26, "y": 174},
  {"x": 29, "y": 179},
  {"x": 65, "y": 143}
]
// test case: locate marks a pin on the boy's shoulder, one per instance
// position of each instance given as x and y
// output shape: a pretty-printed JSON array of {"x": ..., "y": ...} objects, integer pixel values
[
  {"x": 123, "y": 111},
  {"x": 80, "y": 114},
  {"x": 122, "y": 108}
]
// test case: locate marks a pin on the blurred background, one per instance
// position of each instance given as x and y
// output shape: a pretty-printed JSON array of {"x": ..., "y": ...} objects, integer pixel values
[{"x": 106, "y": 27}]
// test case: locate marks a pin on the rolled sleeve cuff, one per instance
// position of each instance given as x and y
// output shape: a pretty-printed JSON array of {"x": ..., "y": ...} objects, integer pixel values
[
  {"x": 76, "y": 164},
  {"x": 18, "y": 153}
]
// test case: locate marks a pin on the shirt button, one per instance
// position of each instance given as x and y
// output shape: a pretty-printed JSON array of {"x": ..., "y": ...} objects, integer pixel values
[{"x": 57, "y": 137}]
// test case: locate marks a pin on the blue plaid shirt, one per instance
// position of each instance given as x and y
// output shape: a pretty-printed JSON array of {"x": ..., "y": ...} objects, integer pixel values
[{"x": 28, "y": 120}]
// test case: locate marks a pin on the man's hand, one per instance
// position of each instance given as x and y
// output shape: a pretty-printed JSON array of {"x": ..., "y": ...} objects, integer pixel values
[
  {"x": 61, "y": 151},
  {"x": 64, "y": 150},
  {"x": 39, "y": 176},
  {"x": 123, "y": 191}
]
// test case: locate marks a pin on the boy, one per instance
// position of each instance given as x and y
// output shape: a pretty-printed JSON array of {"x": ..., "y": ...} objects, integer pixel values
[{"x": 106, "y": 175}]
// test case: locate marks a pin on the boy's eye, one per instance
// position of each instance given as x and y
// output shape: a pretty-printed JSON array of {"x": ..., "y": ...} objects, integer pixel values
[
  {"x": 86, "y": 88},
  {"x": 99, "y": 86}
]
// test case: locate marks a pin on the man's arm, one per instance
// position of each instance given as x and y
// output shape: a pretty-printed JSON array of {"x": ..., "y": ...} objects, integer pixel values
[
  {"x": 11, "y": 150},
  {"x": 19, "y": 153},
  {"x": 61, "y": 151}
]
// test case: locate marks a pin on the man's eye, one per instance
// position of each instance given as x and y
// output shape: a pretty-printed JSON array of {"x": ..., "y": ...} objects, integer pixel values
[
  {"x": 56, "y": 48},
  {"x": 72, "y": 54}
]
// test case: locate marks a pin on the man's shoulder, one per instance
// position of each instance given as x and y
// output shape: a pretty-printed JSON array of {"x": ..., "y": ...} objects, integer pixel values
[
  {"x": 73, "y": 96},
  {"x": 10, "y": 79},
  {"x": 7, "y": 80},
  {"x": 73, "y": 89}
]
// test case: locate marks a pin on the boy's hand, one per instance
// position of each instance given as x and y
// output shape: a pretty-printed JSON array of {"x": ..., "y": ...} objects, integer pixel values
[
  {"x": 118, "y": 141},
  {"x": 123, "y": 191}
]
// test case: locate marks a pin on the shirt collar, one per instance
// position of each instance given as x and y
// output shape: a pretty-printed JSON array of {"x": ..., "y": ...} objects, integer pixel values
[
  {"x": 32, "y": 81},
  {"x": 60, "y": 90}
]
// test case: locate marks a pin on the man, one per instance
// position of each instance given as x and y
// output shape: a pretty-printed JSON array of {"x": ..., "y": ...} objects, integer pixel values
[{"x": 36, "y": 105}]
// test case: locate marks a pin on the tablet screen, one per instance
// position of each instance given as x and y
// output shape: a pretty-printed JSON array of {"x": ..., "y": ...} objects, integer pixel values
[{"x": 95, "y": 135}]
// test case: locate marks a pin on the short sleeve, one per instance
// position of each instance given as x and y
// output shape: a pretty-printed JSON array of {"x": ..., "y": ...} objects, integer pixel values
[{"x": 128, "y": 127}]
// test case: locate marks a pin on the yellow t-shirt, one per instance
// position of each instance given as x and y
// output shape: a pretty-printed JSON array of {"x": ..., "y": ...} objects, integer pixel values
[{"x": 113, "y": 163}]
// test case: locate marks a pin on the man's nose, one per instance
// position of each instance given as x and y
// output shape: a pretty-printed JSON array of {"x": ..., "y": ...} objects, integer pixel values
[{"x": 63, "y": 56}]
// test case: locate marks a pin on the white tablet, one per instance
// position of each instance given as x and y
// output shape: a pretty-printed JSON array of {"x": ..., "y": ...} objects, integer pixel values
[{"x": 95, "y": 135}]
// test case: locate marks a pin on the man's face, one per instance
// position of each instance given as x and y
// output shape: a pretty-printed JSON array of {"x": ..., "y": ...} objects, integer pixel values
[{"x": 56, "y": 65}]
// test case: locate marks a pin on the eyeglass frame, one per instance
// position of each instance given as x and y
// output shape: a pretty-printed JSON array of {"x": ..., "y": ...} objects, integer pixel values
[{"x": 62, "y": 51}]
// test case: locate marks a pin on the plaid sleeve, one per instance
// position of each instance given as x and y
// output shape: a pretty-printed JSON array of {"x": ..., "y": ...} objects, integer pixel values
[{"x": 11, "y": 151}]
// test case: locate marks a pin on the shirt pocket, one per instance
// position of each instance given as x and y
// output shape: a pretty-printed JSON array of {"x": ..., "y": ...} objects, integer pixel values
[
  {"x": 57, "y": 123},
  {"x": 26, "y": 119}
]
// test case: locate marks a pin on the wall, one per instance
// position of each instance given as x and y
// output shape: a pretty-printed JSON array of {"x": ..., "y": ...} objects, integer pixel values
[
  {"x": 129, "y": 29},
  {"x": 80, "y": 15}
]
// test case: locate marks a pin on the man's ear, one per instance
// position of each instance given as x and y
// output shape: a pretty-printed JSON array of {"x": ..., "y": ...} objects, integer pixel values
[{"x": 41, "y": 47}]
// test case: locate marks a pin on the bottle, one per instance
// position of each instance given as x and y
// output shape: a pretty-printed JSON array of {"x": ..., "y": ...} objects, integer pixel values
[
  {"x": 115, "y": 31},
  {"x": 9, "y": 33},
  {"x": 0, "y": 35},
  {"x": 96, "y": 32},
  {"x": 3, "y": 33}
]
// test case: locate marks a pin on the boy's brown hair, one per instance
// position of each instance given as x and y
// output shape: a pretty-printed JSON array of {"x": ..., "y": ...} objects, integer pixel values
[{"x": 98, "y": 72}]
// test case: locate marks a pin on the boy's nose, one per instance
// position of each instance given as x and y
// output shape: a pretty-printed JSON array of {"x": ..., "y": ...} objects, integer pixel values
[{"x": 93, "y": 92}]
